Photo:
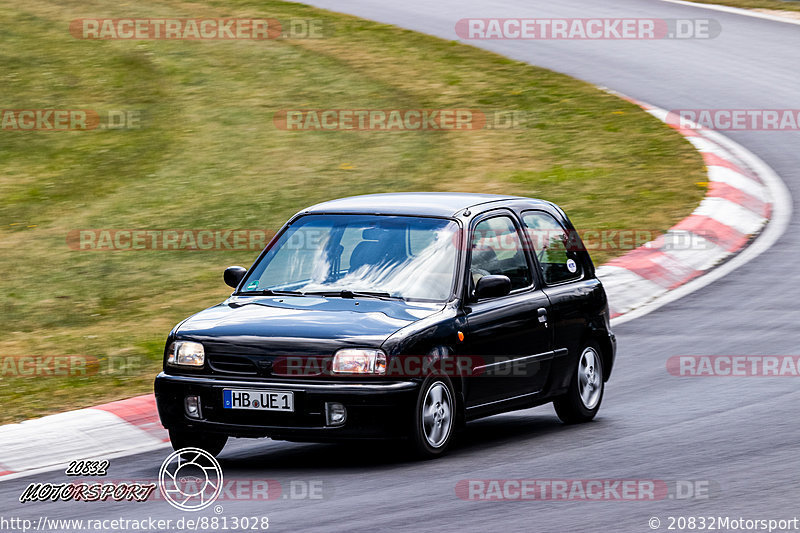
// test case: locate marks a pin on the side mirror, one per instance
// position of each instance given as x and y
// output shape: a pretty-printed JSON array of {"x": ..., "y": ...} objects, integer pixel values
[
  {"x": 233, "y": 275},
  {"x": 492, "y": 287}
]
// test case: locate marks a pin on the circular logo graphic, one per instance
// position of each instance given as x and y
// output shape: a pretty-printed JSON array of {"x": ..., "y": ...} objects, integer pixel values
[
  {"x": 190, "y": 479},
  {"x": 572, "y": 266}
]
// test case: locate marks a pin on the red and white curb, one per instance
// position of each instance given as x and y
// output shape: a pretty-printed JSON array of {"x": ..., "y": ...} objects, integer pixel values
[
  {"x": 738, "y": 205},
  {"x": 127, "y": 426},
  {"x": 745, "y": 197}
]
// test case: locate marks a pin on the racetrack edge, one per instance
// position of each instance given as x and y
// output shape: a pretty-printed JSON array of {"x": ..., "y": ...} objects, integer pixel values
[{"x": 131, "y": 426}]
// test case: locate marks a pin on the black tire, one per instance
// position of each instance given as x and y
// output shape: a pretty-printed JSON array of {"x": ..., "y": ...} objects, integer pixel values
[
  {"x": 434, "y": 422},
  {"x": 209, "y": 442},
  {"x": 580, "y": 404}
]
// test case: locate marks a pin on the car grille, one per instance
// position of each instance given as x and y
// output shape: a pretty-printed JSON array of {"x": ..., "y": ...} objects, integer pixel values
[{"x": 233, "y": 364}]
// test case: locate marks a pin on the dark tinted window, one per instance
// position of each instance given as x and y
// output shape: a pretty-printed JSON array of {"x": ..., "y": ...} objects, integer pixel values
[
  {"x": 550, "y": 241},
  {"x": 497, "y": 250}
]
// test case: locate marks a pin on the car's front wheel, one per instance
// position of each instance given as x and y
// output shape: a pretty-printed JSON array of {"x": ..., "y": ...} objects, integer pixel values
[
  {"x": 209, "y": 442},
  {"x": 582, "y": 400},
  {"x": 434, "y": 417}
]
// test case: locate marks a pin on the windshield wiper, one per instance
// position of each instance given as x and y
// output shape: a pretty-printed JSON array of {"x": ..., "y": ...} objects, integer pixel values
[
  {"x": 270, "y": 292},
  {"x": 355, "y": 294}
]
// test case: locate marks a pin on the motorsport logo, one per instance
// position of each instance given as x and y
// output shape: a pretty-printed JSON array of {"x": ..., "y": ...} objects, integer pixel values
[
  {"x": 131, "y": 491},
  {"x": 87, "y": 492},
  {"x": 190, "y": 479}
]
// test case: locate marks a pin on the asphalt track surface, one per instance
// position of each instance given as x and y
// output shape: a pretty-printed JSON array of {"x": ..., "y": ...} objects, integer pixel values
[{"x": 741, "y": 434}]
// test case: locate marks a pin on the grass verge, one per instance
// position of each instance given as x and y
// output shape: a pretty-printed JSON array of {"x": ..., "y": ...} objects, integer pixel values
[
  {"x": 207, "y": 155},
  {"x": 778, "y": 5}
]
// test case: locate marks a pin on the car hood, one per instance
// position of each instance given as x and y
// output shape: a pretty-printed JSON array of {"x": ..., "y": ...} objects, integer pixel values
[{"x": 261, "y": 325}]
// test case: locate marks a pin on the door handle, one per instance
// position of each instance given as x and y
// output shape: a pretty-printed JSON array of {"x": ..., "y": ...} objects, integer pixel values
[{"x": 542, "y": 312}]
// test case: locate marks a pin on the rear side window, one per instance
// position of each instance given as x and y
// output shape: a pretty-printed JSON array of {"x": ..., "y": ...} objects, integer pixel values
[
  {"x": 497, "y": 250},
  {"x": 550, "y": 242}
]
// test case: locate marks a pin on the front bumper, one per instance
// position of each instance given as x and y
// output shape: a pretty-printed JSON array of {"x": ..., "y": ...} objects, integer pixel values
[{"x": 374, "y": 409}]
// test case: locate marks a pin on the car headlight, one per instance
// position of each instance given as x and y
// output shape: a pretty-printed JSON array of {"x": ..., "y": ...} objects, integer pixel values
[
  {"x": 359, "y": 361},
  {"x": 186, "y": 353}
]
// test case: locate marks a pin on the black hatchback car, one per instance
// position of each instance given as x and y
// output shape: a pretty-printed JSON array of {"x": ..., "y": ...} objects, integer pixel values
[{"x": 394, "y": 316}]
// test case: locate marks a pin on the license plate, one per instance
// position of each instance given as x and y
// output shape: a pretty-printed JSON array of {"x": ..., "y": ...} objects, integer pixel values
[{"x": 258, "y": 400}]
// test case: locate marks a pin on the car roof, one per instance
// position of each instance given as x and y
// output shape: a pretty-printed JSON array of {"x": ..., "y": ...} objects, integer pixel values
[{"x": 435, "y": 204}]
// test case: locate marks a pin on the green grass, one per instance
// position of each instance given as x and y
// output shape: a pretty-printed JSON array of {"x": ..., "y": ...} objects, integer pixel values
[
  {"x": 209, "y": 156},
  {"x": 755, "y": 4}
]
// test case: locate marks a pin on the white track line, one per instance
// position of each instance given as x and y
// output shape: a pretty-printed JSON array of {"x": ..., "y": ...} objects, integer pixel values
[{"x": 737, "y": 11}]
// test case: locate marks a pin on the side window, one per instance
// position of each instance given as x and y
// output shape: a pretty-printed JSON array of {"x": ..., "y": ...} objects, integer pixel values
[
  {"x": 550, "y": 241},
  {"x": 497, "y": 250}
]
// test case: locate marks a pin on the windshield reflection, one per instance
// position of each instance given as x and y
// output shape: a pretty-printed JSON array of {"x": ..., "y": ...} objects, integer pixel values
[{"x": 403, "y": 257}]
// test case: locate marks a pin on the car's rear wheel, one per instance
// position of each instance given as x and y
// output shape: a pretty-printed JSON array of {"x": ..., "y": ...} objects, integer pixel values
[
  {"x": 585, "y": 393},
  {"x": 210, "y": 442},
  {"x": 434, "y": 417}
]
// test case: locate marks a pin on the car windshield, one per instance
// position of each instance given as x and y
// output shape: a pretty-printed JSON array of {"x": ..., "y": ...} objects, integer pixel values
[{"x": 404, "y": 257}]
